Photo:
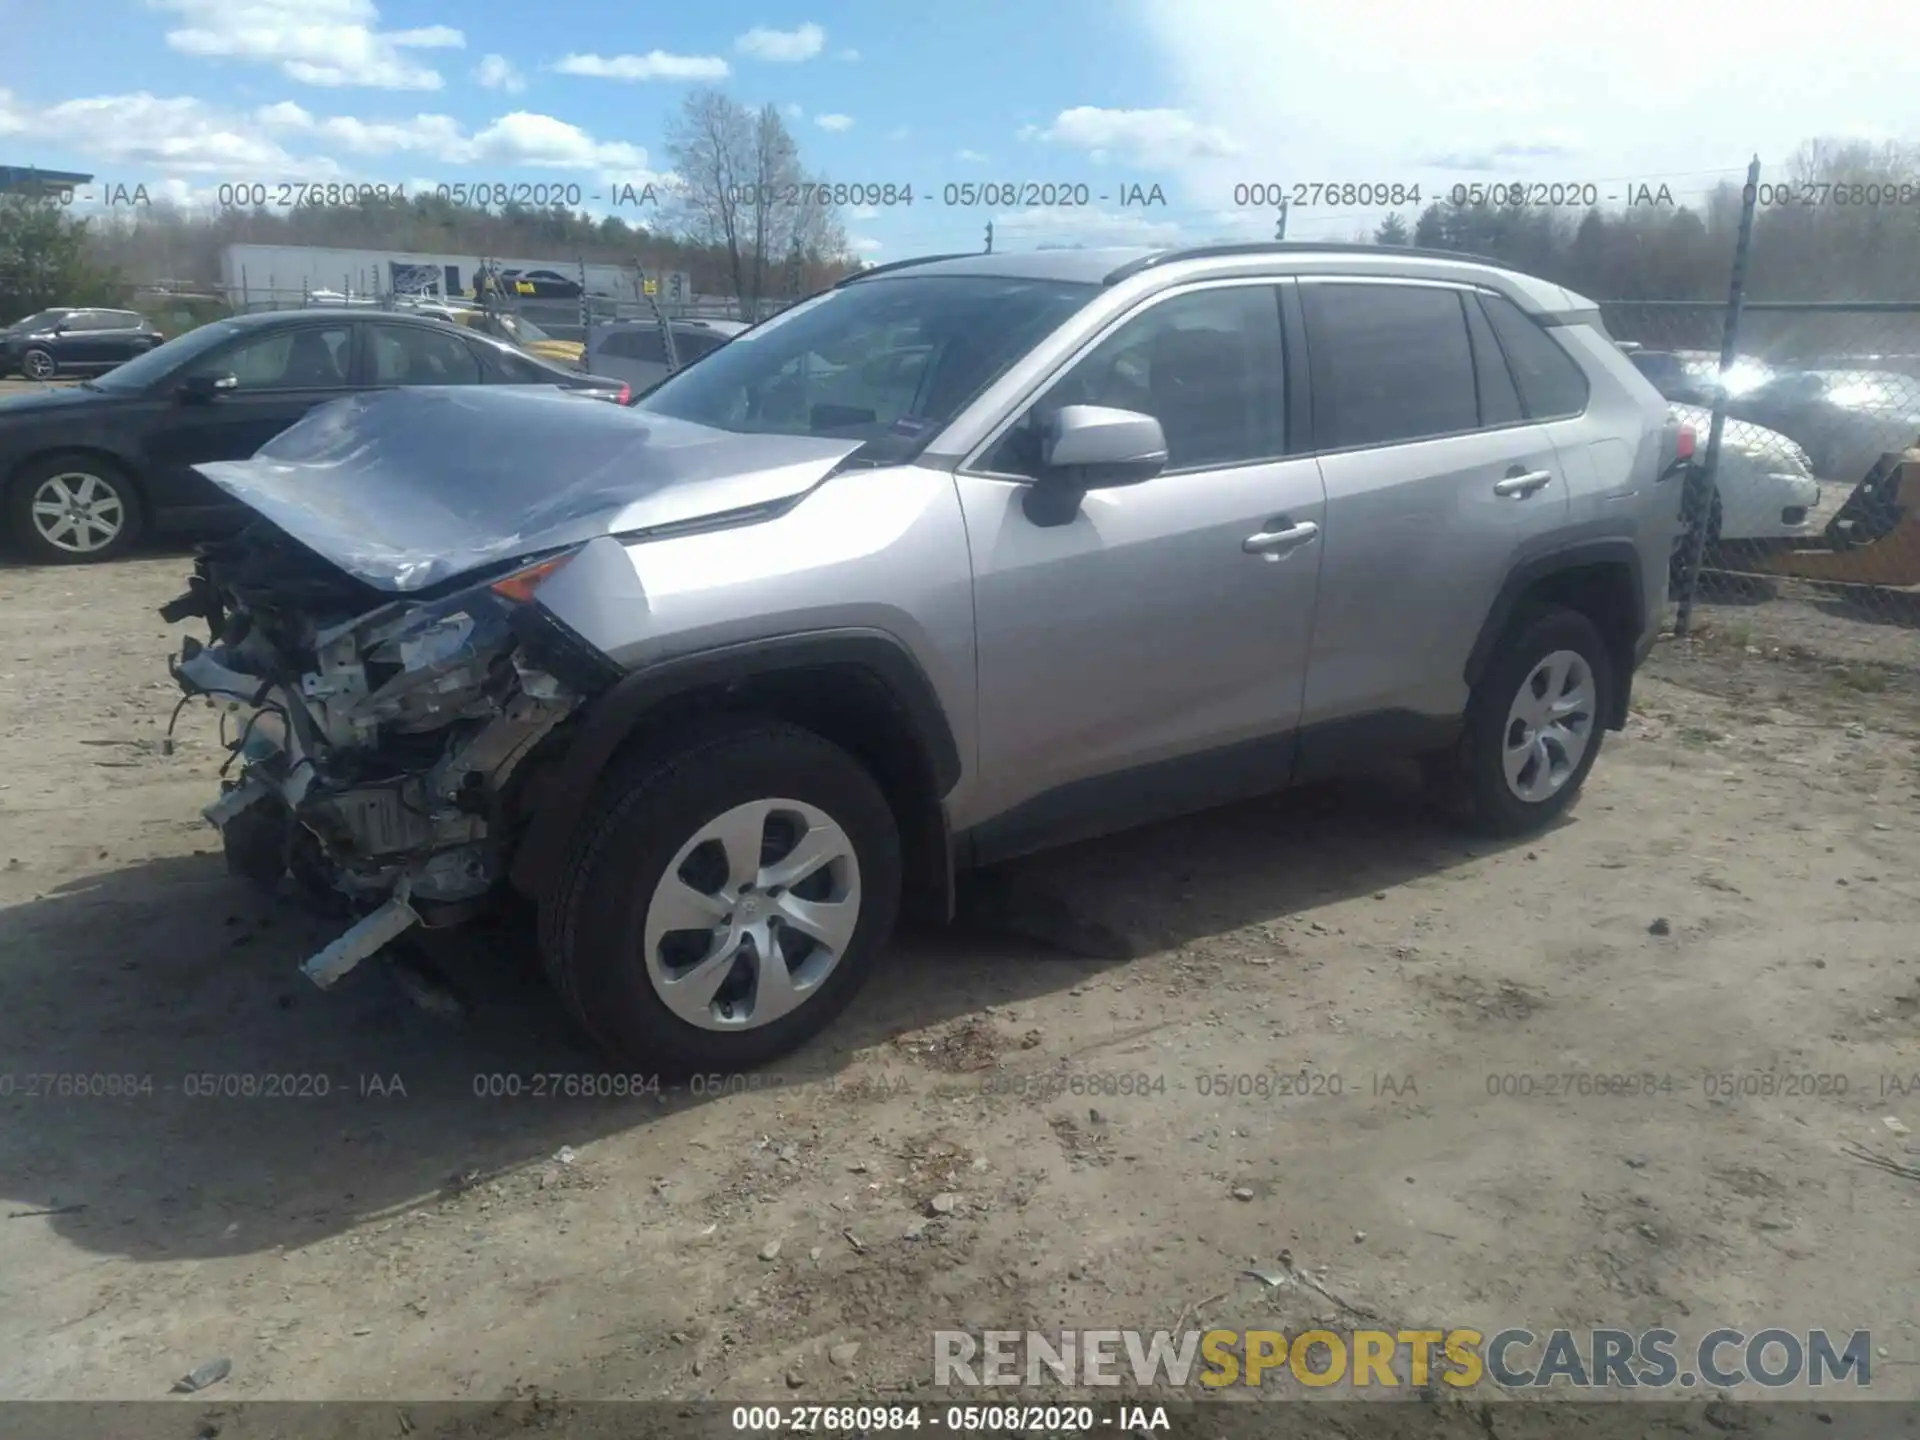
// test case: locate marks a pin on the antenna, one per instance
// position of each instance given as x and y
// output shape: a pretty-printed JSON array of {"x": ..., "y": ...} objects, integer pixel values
[
  {"x": 989, "y": 237},
  {"x": 1280, "y": 223}
]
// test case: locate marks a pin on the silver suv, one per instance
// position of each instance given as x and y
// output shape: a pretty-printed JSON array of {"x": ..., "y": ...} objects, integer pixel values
[{"x": 961, "y": 559}]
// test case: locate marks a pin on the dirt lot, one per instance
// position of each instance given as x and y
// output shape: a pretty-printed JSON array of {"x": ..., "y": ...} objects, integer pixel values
[{"x": 1734, "y": 898}]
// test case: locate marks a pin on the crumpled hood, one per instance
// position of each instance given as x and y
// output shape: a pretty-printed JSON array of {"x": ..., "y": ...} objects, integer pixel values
[{"x": 404, "y": 489}]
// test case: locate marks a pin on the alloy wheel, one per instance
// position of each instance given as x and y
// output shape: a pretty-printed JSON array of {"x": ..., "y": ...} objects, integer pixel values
[
  {"x": 752, "y": 915},
  {"x": 78, "y": 512},
  {"x": 38, "y": 365},
  {"x": 1549, "y": 725}
]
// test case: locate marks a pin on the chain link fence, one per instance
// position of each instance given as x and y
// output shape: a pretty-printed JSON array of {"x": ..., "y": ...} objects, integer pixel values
[
  {"x": 1800, "y": 540},
  {"x": 1803, "y": 517}
]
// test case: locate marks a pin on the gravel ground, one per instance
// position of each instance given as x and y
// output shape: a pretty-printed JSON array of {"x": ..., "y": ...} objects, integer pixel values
[{"x": 1734, "y": 897}]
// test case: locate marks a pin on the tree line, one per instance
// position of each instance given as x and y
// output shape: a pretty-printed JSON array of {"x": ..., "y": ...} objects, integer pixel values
[
  {"x": 723, "y": 224},
  {"x": 727, "y": 224},
  {"x": 1840, "y": 221}
]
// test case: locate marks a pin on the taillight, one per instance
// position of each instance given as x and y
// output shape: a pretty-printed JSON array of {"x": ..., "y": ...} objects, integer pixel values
[
  {"x": 1683, "y": 444},
  {"x": 625, "y": 395}
]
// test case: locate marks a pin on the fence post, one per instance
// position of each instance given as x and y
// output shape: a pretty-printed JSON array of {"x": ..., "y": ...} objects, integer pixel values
[
  {"x": 1700, "y": 477},
  {"x": 586, "y": 317}
]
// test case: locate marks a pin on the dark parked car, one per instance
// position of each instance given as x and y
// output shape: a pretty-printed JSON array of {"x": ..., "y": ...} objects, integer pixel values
[
  {"x": 68, "y": 341},
  {"x": 88, "y": 467},
  {"x": 1845, "y": 418}
]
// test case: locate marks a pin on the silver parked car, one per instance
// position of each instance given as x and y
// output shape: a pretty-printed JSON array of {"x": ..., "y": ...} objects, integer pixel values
[
  {"x": 962, "y": 559},
  {"x": 636, "y": 352}
]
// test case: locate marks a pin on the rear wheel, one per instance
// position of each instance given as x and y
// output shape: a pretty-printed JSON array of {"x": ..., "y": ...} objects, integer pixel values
[
  {"x": 1533, "y": 726},
  {"x": 726, "y": 900},
  {"x": 72, "y": 509}
]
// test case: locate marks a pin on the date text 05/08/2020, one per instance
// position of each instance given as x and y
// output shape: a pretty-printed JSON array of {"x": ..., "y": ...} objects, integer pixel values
[
  {"x": 1365, "y": 194},
  {"x": 969, "y": 194},
  {"x": 963, "y": 1419},
  {"x": 536, "y": 195}
]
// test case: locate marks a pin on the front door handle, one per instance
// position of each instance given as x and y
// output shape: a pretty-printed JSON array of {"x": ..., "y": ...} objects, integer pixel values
[
  {"x": 1281, "y": 539},
  {"x": 1519, "y": 486}
]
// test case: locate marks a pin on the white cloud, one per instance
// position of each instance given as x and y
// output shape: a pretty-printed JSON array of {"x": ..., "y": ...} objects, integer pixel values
[
  {"x": 1154, "y": 139},
  {"x": 496, "y": 72},
  {"x": 848, "y": 55},
  {"x": 971, "y": 157},
  {"x": 834, "y": 122},
  {"x": 793, "y": 112},
  {"x": 178, "y": 134},
  {"x": 898, "y": 133},
  {"x": 316, "y": 42},
  {"x": 865, "y": 244},
  {"x": 864, "y": 212},
  {"x": 1020, "y": 229},
  {"x": 518, "y": 139},
  {"x": 654, "y": 65},
  {"x": 1283, "y": 82},
  {"x": 784, "y": 46}
]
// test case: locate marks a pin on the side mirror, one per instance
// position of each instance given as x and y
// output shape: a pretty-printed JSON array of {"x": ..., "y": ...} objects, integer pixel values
[
  {"x": 199, "y": 389},
  {"x": 1093, "y": 447}
]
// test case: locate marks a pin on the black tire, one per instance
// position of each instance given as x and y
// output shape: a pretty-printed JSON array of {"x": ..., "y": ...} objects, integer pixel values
[
  {"x": 1470, "y": 780},
  {"x": 26, "y": 484},
  {"x": 39, "y": 363},
  {"x": 592, "y": 929}
]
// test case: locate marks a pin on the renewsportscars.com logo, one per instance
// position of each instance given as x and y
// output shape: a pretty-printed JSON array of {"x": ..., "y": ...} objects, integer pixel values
[{"x": 1514, "y": 1359}]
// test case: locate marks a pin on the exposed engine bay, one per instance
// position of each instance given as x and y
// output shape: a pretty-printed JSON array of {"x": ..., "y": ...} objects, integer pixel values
[{"x": 379, "y": 747}]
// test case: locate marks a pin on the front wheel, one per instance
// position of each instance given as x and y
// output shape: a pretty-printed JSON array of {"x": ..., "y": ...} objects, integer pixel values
[
  {"x": 72, "y": 509},
  {"x": 1533, "y": 725},
  {"x": 725, "y": 901},
  {"x": 38, "y": 364}
]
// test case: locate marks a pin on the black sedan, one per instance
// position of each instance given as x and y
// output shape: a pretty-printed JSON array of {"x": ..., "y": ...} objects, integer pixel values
[
  {"x": 68, "y": 341},
  {"x": 87, "y": 468}
]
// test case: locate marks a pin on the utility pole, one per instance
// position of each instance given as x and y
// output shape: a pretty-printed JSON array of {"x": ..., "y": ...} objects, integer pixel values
[
  {"x": 1280, "y": 223},
  {"x": 989, "y": 237}
]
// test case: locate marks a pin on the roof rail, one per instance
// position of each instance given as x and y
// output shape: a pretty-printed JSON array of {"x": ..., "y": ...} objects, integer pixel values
[
  {"x": 1288, "y": 247},
  {"x": 900, "y": 265}
]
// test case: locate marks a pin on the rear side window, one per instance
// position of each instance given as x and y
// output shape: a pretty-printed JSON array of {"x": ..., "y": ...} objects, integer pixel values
[
  {"x": 639, "y": 343},
  {"x": 1551, "y": 383},
  {"x": 693, "y": 346},
  {"x": 1391, "y": 363}
]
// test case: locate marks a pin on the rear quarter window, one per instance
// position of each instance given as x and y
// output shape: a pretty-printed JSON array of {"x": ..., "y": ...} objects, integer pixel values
[{"x": 1551, "y": 383}]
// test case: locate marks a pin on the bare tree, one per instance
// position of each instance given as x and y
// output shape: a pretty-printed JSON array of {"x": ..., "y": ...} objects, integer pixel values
[{"x": 744, "y": 191}]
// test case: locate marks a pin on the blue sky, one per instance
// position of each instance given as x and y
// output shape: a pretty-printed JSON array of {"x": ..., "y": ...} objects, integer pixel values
[{"x": 1198, "y": 97}]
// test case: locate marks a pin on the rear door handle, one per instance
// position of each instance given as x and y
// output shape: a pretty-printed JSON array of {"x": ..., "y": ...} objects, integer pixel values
[
  {"x": 1282, "y": 538},
  {"x": 1521, "y": 485}
]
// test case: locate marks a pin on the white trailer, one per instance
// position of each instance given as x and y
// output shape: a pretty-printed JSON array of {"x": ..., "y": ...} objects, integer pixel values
[{"x": 270, "y": 276}]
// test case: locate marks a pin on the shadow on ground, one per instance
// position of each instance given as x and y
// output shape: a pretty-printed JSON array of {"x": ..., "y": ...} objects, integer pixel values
[{"x": 182, "y": 981}]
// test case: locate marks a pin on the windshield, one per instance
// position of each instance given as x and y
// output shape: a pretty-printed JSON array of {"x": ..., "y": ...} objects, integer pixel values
[
  {"x": 36, "y": 321},
  {"x": 143, "y": 370},
  {"x": 889, "y": 362}
]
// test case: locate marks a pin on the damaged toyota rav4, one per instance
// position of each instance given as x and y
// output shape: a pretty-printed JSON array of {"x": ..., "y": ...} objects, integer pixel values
[{"x": 962, "y": 559}]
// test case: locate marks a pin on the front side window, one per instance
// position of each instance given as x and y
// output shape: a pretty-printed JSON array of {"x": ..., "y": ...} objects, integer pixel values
[
  {"x": 1391, "y": 363},
  {"x": 888, "y": 362},
  {"x": 312, "y": 357},
  {"x": 420, "y": 355},
  {"x": 1207, "y": 365}
]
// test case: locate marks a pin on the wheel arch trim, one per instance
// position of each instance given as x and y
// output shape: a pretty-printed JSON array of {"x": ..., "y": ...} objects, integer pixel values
[
  {"x": 1611, "y": 553},
  {"x": 615, "y": 715}
]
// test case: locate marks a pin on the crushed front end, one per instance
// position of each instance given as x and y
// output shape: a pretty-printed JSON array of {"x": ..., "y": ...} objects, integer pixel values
[{"x": 382, "y": 749}]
